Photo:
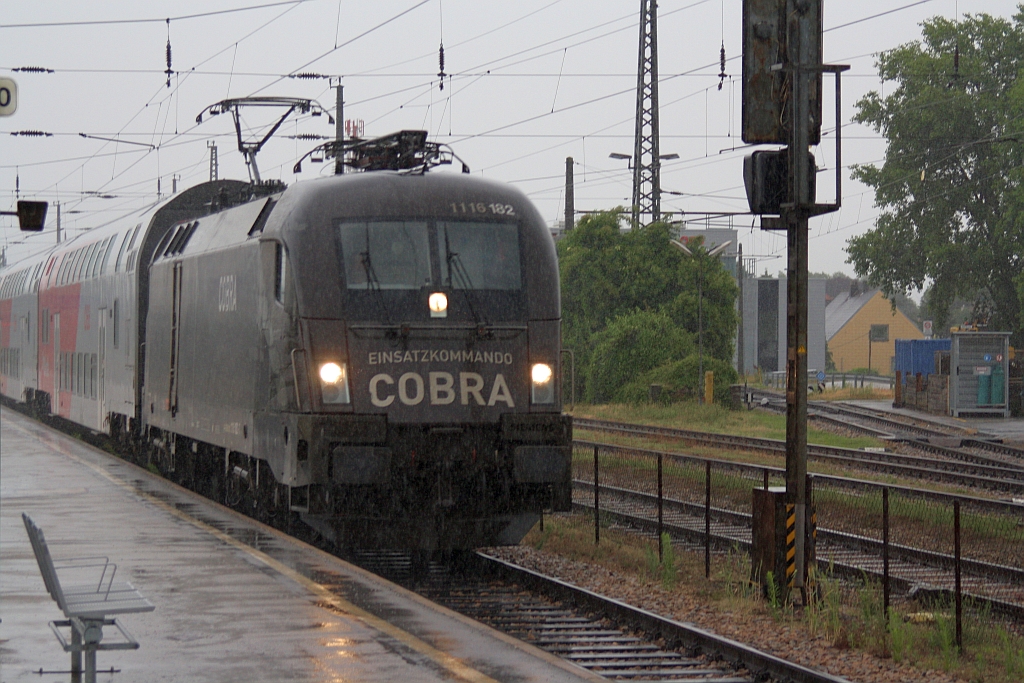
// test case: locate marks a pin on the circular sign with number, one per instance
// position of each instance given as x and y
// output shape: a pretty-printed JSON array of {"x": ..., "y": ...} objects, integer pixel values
[
  {"x": 999, "y": 357},
  {"x": 8, "y": 96}
]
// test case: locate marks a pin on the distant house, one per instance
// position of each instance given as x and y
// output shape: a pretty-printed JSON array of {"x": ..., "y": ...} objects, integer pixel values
[{"x": 862, "y": 328}]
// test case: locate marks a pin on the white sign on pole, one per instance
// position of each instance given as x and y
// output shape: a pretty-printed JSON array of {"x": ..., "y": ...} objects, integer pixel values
[
  {"x": 8, "y": 96},
  {"x": 928, "y": 329}
]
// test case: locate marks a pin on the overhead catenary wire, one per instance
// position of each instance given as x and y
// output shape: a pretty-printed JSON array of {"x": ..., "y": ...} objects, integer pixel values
[{"x": 477, "y": 134}]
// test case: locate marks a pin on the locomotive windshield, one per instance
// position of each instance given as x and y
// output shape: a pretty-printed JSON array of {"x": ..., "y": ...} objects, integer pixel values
[
  {"x": 479, "y": 255},
  {"x": 386, "y": 255},
  {"x": 410, "y": 255}
]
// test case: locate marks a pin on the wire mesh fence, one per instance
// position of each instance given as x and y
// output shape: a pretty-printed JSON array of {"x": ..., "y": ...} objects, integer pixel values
[{"x": 905, "y": 541}]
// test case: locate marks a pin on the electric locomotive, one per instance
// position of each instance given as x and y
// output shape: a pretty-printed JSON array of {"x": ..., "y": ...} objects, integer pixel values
[{"x": 375, "y": 352}]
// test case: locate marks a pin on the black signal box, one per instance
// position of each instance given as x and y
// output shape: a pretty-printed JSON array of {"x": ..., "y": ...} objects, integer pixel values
[
  {"x": 766, "y": 177},
  {"x": 31, "y": 215}
]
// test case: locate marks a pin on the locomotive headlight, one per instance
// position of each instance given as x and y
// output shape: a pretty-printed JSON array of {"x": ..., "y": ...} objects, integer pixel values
[
  {"x": 331, "y": 373},
  {"x": 543, "y": 381},
  {"x": 438, "y": 303},
  {"x": 334, "y": 383}
]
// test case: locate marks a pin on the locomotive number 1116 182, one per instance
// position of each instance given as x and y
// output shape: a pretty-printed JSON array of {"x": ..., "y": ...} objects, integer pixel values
[{"x": 480, "y": 207}]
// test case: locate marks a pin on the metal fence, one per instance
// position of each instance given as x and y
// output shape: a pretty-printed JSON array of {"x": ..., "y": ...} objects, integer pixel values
[{"x": 913, "y": 542}]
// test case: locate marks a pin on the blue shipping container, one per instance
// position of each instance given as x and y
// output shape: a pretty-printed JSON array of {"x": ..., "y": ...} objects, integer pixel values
[{"x": 918, "y": 355}]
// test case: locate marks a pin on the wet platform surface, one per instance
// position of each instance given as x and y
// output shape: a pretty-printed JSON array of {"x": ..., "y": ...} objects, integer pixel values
[{"x": 235, "y": 600}]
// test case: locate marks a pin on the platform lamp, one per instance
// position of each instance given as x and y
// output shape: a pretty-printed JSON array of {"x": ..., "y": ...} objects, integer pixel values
[{"x": 701, "y": 255}]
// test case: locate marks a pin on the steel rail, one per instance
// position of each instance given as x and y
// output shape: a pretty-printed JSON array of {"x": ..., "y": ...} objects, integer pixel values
[
  {"x": 756, "y": 472},
  {"x": 674, "y": 633},
  {"x": 986, "y": 476},
  {"x": 991, "y": 570}
]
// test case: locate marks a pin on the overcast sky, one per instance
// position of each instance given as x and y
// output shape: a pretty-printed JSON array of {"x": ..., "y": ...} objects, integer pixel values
[{"x": 529, "y": 83}]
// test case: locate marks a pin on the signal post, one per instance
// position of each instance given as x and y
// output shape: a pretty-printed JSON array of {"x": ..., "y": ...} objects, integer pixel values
[{"x": 782, "y": 105}]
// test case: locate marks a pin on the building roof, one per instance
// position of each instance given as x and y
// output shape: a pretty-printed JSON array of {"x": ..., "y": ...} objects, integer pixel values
[{"x": 842, "y": 309}]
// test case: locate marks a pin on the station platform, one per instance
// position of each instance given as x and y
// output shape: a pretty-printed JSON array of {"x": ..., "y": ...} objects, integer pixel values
[
  {"x": 1009, "y": 429},
  {"x": 235, "y": 600}
]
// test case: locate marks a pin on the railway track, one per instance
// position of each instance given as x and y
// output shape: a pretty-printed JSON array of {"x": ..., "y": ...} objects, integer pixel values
[
  {"x": 921, "y": 433},
  {"x": 956, "y": 466},
  {"x": 606, "y": 637},
  {"x": 849, "y": 555}
]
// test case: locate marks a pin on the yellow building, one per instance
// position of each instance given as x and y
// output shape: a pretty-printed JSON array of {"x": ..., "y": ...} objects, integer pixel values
[{"x": 857, "y": 321}]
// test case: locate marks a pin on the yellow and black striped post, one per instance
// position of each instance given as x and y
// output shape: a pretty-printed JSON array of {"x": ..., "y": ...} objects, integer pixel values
[{"x": 790, "y": 544}]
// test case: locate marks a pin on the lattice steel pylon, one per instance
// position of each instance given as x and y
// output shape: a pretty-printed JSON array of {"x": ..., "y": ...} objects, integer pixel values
[{"x": 646, "y": 158}]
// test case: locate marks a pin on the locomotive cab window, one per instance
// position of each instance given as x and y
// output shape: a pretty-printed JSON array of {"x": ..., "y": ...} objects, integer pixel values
[
  {"x": 386, "y": 254},
  {"x": 392, "y": 268},
  {"x": 479, "y": 255}
]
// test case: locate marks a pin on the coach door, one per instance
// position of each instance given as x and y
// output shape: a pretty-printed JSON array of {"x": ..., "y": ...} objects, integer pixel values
[
  {"x": 172, "y": 399},
  {"x": 57, "y": 375},
  {"x": 101, "y": 362}
]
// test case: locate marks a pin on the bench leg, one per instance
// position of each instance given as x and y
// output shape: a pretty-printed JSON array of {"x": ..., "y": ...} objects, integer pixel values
[{"x": 76, "y": 656}]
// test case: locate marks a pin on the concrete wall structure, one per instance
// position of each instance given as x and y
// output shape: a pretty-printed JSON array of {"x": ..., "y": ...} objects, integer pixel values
[{"x": 764, "y": 324}]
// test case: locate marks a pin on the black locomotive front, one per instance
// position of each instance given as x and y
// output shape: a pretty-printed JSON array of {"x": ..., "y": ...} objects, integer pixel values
[{"x": 423, "y": 351}]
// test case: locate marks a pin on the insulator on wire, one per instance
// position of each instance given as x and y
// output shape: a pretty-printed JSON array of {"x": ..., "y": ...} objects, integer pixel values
[
  {"x": 168, "y": 71},
  {"x": 440, "y": 60},
  {"x": 721, "y": 73}
]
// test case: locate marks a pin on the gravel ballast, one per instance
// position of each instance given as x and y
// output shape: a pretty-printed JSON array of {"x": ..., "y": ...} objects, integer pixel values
[{"x": 772, "y": 635}]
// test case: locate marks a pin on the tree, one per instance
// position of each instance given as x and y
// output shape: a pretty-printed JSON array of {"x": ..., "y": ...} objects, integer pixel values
[
  {"x": 608, "y": 274},
  {"x": 950, "y": 189}
]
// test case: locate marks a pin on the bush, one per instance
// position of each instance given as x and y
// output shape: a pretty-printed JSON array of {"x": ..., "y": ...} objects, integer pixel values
[
  {"x": 679, "y": 379},
  {"x": 631, "y": 345}
]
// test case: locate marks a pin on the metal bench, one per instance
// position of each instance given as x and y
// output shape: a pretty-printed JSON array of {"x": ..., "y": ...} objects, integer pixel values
[{"x": 88, "y": 606}]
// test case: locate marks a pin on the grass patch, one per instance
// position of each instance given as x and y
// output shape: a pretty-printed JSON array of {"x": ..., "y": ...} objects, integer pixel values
[{"x": 716, "y": 420}]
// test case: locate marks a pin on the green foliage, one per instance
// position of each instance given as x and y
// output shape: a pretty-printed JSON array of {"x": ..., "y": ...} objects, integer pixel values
[
  {"x": 950, "y": 190},
  {"x": 679, "y": 379},
  {"x": 665, "y": 570},
  {"x": 633, "y": 343},
  {"x": 611, "y": 280},
  {"x": 1011, "y": 655},
  {"x": 901, "y": 638},
  {"x": 825, "y": 609}
]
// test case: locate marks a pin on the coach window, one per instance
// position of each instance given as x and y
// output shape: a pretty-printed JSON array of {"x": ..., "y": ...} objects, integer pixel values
[
  {"x": 120, "y": 252},
  {"x": 94, "y": 260},
  {"x": 76, "y": 266},
  {"x": 280, "y": 267},
  {"x": 90, "y": 256},
  {"x": 59, "y": 279},
  {"x": 106, "y": 254}
]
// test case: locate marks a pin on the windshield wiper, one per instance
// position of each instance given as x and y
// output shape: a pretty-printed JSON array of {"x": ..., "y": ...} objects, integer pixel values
[
  {"x": 372, "y": 282},
  {"x": 456, "y": 267}
]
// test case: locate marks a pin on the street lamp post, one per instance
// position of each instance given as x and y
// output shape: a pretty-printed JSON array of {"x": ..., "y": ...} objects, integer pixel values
[
  {"x": 701, "y": 255},
  {"x": 654, "y": 209}
]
